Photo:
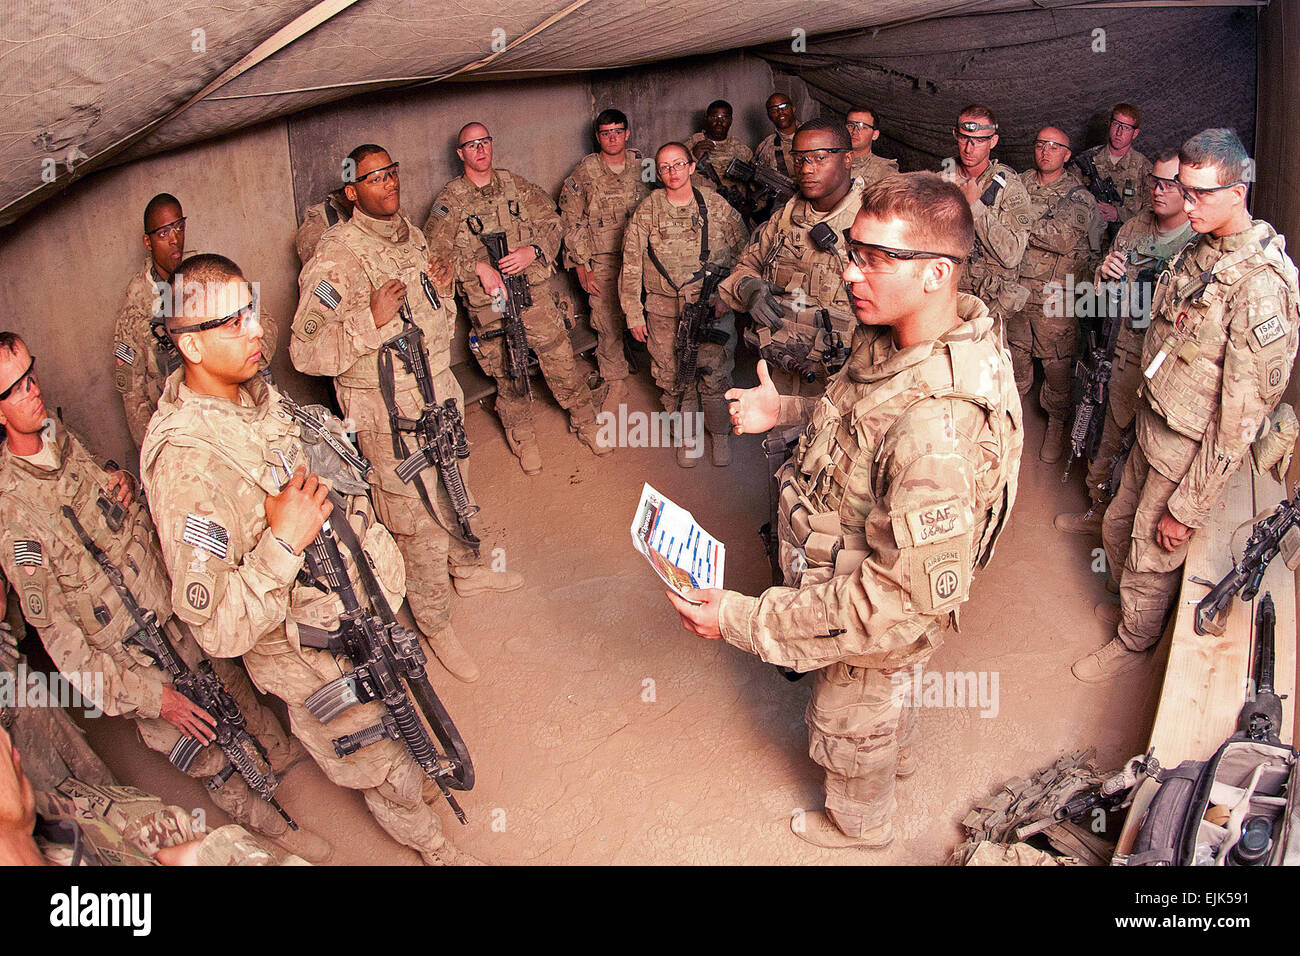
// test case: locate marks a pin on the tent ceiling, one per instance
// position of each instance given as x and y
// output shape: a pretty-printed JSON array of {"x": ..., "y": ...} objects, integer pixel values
[{"x": 89, "y": 83}]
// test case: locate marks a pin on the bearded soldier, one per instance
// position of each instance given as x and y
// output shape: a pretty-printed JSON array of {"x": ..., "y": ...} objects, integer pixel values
[
  {"x": 224, "y": 465},
  {"x": 82, "y": 620},
  {"x": 370, "y": 277},
  {"x": 1000, "y": 206},
  {"x": 597, "y": 200},
  {"x": 673, "y": 236},
  {"x": 1216, "y": 360},
  {"x": 484, "y": 201},
  {"x": 903, "y": 478},
  {"x": 142, "y": 352}
]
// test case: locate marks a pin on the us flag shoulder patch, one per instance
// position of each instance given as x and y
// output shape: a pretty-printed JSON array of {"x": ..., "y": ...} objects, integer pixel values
[
  {"x": 328, "y": 297},
  {"x": 125, "y": 353},
  {"x": 204, "y": 533},
  {"x": 441, "y": 211},
  {"x": 27, "y": 554}
]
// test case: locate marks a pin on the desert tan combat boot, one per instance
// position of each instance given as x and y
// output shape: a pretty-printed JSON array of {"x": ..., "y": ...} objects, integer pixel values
[
  {"x": 817, "y": 828},
  {"x": 1053, "y": 439},
  {"x": 615, "y": 396},
  {"x": 481, "y": 579},
  {"x": 452, "y": 655},
  {"x": 262, "y": 818},
  {"x": 1109, "y": 661},
  {"x": 1081, "y": 522},
  {"x": 523, "y": 442},
  {"x": 589, "y": 435}
]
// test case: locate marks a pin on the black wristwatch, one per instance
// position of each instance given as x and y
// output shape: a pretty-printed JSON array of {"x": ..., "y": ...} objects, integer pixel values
[{"x": 538, "y": 249}]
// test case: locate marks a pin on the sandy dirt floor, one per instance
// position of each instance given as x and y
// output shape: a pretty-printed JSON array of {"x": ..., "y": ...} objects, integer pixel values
[{"x": 603, "y": 733}]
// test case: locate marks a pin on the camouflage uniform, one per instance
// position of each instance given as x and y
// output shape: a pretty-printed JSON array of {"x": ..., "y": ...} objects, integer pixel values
[
  {"x": 526, "y": 214},
  {"x": 1149, "y": 251},
  {"x": 776, "y": 151},
  {"x": 1001, "y": 235},
  {"x": 1064, "y": 232},
  {"x": 901, "y": 482},
  {"x": 871, "y": 169},
  {"x": 315, "y": 221},
  {"x": 595, "y": 205},
  {"x": 805, "y": 280},
  {"x": 1131, "y": 176},
  {"x": 1223, "y": 322},
  {"x": 719, "y": 157},
  {"x": 142, "y": 362},
  {"x": 334, "y": 334},
  {"x": 674, "y": 234},
  {"x": 208, "y": 464},
  {"x": 82, "y": 622}
]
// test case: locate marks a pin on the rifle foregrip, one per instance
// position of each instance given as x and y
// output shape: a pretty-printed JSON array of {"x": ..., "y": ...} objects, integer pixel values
[{"x": 351, "y": 743}]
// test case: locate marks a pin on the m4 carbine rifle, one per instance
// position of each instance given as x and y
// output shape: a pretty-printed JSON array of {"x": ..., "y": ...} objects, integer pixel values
[
  {"x": 518, "y": 297},
  {"x": 439, "y": 431},
  {"x": 1275, "y": 533},
  {"x": 775, "y": 182},
  {"x": 1093, "y": 377},
  {"x": 202, "y": 686},
  {"x": 1102, "y": 189},
  {"x": 695, "y": 326},
  {"x": 388, "y": 666}
]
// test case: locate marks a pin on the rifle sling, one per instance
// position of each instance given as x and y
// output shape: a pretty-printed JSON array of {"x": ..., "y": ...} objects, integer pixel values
[{"x": 704, "y": 247}]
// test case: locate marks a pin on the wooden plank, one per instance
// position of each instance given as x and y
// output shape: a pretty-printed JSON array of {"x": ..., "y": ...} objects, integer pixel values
[{"x": 1206, "y": 676}]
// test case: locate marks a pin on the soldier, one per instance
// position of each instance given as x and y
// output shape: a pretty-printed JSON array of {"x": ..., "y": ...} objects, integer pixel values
[
  {"x": 672, "y": 236},
  {"x": 903, "y": 478},
  {"x": 867, "y": 167},
  {"x": 1138, "y": 255},
  {"x": 1000, "y": 205},
  {"x": 784, "y": 279},
  {"x": 1064, "y": 232},
  {"x": 143, "y": 353},
  {"x": 716, "y": 143},
  {"x": 776, "y": 149},
  {"x": 487, "y": 200},
  {"x": 335, "y": 209},
  {"x": 365, "y": 272},
  {"x": 596, "y": 202},
  {"x": 70, "y": 601},
  {"x": 1121, "y": 168},
  {"x": 1216, "y": 360},
  {"x": 233, "y": 532}
]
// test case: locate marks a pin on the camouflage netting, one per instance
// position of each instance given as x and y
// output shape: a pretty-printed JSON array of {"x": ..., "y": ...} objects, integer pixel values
[{"x": 88, "y": 84}]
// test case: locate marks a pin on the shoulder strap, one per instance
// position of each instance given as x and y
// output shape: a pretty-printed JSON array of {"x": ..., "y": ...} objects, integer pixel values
[{"x": 704, "y": 246}]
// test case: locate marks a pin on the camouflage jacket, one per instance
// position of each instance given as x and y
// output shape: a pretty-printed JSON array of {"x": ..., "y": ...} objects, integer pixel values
[
  {"x": 719, "y": 157},
  {"x": 64, "y": 593},
  {"x": 208, "y": 465},
  {"x": 142, "y": 361},
  {"x": 1216, "y": 360},
  {"x": 776, "y": 152},
  {"x": 674, "y": 234},
  {"x": 902, "y": 480},
  {"x": 315, "y": 221},
  {"x": 595, "y": 205},
  {"x": 871, "y": 169},
  {"x": 1064, "y": 231},
  {"x": 1131, "y": 176},
  {"x": 1001, "y": 236},
  {"x": 509, "y": 204}
]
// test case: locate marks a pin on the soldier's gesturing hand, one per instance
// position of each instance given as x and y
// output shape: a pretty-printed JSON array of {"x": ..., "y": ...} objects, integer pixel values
[
  {"x": 517, "y": 260},
  {"x": 489, "y": 279},
  {"x": 1108, "y": 212},
  {"x": 971, "y": 190},
  {"x": 386, "y": 300},
  {"x": 186, "y": 716},
  {"x": 296, "y": 514},
  {"x": 701, "y": 149},
  {"x": 755, "y": 410}
]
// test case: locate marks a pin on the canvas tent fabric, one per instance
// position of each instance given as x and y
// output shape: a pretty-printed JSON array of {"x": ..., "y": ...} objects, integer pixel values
[{"x": 86, "y": 84}]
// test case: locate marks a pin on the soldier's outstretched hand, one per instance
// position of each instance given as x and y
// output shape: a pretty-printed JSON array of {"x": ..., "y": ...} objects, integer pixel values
[
  {"x": 755, "y": 410},
  {"x": 296, "y": 514}
]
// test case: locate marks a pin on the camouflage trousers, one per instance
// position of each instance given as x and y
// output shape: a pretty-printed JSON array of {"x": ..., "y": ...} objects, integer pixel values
[
  {"x": 858, "y": 719},
  {"x": 1031, "y": 334},
  {"x": 547, "y": 337},
  {"x": 709, "y": 386},
  {"x": 1121, "y": 408},
  {"x": 234, "y": 797},
  {"x": 1149, "y": 577},
  {"x": 432, "y": 557},
  {"x": 607, "y": 319}
]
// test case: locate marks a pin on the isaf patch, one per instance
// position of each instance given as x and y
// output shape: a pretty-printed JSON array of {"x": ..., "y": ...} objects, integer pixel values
[
  {"x": 936, "y": 522},
  {"x": 124, "y": 353},
  {"x": 201, "y": 532},
  {"x": 1268, "y": 331},
  {"x": 327, "y": 295},
  {"x": 27, "y": 554}
]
